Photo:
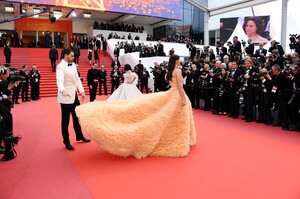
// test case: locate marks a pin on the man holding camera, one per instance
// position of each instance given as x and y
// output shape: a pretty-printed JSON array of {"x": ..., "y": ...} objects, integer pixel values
[
  {"x": 6, "y": 119},
  {"x": 234, "y": 47},
  {"x": 24, "y": 83}
]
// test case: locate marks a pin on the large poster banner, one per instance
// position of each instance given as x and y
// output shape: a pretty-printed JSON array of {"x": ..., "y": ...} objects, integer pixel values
[{"x": 155, "y": 8}]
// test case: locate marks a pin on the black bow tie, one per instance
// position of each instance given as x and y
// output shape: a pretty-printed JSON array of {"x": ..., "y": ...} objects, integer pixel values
[{"x": 70, "y": 64}]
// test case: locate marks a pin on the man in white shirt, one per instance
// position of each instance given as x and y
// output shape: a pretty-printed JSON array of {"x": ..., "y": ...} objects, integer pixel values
[{"x": 68, "y": 83}]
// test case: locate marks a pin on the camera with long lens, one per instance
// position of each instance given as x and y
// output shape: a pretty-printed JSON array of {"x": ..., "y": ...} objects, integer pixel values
[
  {"x": 292, "y": 40},
  {"x": 14, "y": 75},
  {"x": 287, "y": 71},
  {"x": 243, "y": 43}
]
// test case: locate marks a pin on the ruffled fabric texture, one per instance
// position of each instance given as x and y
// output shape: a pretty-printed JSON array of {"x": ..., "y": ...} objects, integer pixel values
[{"x": 151, "y": 125}]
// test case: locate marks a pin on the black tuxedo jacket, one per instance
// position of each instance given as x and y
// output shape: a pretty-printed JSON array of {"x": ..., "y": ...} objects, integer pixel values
[
  {"x": 115, "y": 79},
  {"x": 113, "y": 63},
  {"x": 92, "y": 75},
  {"x": 53, "y": 54}
]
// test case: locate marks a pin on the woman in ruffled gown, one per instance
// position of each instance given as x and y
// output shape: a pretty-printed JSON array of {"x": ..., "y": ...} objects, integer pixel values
[
  {"x": 128, "y": 89},
  {"x": 158, "y": 124}
]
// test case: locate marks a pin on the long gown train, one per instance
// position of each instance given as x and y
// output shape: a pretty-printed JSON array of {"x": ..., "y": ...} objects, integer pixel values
[{"x": 151, "y": 125}]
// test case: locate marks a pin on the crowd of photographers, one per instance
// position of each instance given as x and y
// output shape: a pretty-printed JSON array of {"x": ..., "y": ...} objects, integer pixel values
[
  {"x": 263, "y": 88},
  {"x": 12, "y": 82}
]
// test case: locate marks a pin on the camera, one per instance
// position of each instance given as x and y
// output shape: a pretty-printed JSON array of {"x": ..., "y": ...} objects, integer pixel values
[
  {"x": 287, "y": 71},
  {"x": 229, "y": 43},
  {"x": 243, "y": 43},
  {"x": 14, "y": 75},
  {"x": 292, "y": 40}
]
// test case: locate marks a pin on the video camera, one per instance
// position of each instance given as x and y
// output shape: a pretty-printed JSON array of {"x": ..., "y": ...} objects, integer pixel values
[
  {"x": 243, "y": 43},
  {"x": 293, "y": 40},
  {"x": 14, "y": 75}
]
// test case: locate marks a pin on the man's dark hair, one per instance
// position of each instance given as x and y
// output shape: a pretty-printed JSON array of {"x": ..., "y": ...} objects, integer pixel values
[{"x": 66, "y": 51}]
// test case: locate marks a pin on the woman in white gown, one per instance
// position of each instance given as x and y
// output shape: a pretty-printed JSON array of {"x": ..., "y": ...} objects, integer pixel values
[{"x": 128, "y": 89}]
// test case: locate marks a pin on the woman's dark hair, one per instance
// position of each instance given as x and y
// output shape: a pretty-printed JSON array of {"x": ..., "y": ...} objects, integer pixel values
[
  {"x": 258, "y": 22},
  {"x": 127, "y": 67},
  {"x": 171, "y": 66}
]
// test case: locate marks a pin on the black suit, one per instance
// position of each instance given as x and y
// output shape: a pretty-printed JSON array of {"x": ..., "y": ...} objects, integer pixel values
[
  {"x": 102, "y": 81},
  {"x": 92, "y": 79},
  {"x": 250, "y": 86},
  {"x": 117, "y": 52},
  {"x": 144, "y": 75},
  {"x": 234, "y": 96},
  {"x": 113, "y": 63},
  {"x": 7, "y": 54},
  {"x": 53, "y": 56},
  {"x": 115, "y": 79},
  {"x": 24, "y": 86},
  {"x": 35, "y": 84},
  {"x": 250, "y": 49},
  {"x": 47, "y": 40},
  {"x": 261, "y": 58}
]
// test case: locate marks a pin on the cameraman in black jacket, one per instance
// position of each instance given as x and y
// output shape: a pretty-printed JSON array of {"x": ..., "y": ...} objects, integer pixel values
[{"x": 6, "y": 119}]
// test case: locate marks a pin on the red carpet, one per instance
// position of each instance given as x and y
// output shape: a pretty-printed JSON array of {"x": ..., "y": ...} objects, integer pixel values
[{"x": 232, "y": 159}]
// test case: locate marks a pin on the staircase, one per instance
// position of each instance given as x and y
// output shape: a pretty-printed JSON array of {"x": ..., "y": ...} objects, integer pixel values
[{"x": 40, "y": 57}]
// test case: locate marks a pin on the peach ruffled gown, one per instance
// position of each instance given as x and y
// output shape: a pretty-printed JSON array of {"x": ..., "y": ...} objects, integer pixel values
[{"x": 151, "y": 125}]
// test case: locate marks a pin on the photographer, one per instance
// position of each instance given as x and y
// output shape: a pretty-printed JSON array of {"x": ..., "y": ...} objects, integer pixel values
[
  {"x": 192, "y": 48},
  {"x": 265, "y": 98},
  {"x": 250, "y": 84},
  {"x": 275, "y": 46},
  {"x": 282, "y": 88},
  {"x": 295, "y": 99},
  {"x": 234, "y": 47},
  {"x": 221, "y": 50},
  {"x": 6, "y": 119},
  {"x": 250, "y": 48}
]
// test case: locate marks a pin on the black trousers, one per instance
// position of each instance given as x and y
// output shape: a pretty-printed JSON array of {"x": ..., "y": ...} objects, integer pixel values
[
  {"x": 93, "y": 91},
  {"x": 24, "y": 92},
  {"x": 102, "y": 82},
  {"x": 7, "y": 59},
  {"x": 234, "y": 104},
  {"x": 53, "y": 64},
  {"x": 114, "y": 84},
  {"x": 7, "y": 118},
  {"x": 66, "y": 110},
  {"x": 16, "y": 94},
  {"x": 144, "y": 85},
  {"x": 249, "y": 99},
  {"x": 33, "y": 92}
]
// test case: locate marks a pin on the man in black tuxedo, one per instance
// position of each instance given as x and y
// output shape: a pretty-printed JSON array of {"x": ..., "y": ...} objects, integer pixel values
[
  {"x": 115, "y": 62},
  {"x": 92, "y": 79},
  {"x": 34, "y": 76},
  {"x": 250, "y": 84},
  {"x": 221, "y": 50},
  {"x": 47, "y": 39},
  {"x": 250, "y": 48},
  {"x": 117, "y": 52},
  {"x": 57, "y": 40},
  {"x": 53, "y": 56},
  {"x": 282, "y": 87},
  {"x": 144, "y": 75},
  {"x": 275, "y": 46},
  {"x": 140, "y": 66},
  {"x": 7, "y": 53},
  {"x": 102, "y": 80},
  {"x": 235, "y": 47},
  {"x": 160, "y": 49},
  {"x": 115, "y": 78},
  {"x": 261, "y": 53},
  {"x": 24, "y": 72},
  {"x": 234, "y": 86}
]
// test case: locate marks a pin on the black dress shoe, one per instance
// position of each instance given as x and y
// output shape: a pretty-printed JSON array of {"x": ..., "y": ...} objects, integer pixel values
[
  {"x": 83, "y": 139},
  {"x": 70, "y": 147},
  {"x": 248, "y": 120},
  {"x": 17, "y": 102}
]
